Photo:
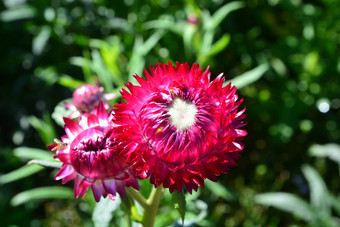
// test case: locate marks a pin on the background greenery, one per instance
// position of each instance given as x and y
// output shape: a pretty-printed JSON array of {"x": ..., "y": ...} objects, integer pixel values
[{"x": 282, "y": 54}]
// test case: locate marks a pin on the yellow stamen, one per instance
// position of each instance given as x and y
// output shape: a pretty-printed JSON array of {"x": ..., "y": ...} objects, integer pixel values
[{"x": 159, "y": 129}]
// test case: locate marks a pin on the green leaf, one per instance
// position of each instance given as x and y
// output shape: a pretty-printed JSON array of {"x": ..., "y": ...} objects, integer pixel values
[
  {"x": 20, "y": 173},
  {"x": 61, "y": 111},
  {"x": 179, "y": 201},
  {"x": 335, "y": 202},
  {"x": 192, "y": 216},
  {"x": 140, "y": 50},
  {"x": 68, "y": 81},
  {"x": 219, "y": 45},
  {"x": 29, "y": 153},
  {"x": 135, "y": 216},
  {"x": 249, "y": 77},
  {"x": 318, "y": 190},
  {"x": 50, "y": 164},
  {"x": 222, "y": 12},
  {"x": 17, "y": 13},
  {"x": 102, "y": 213},
  {"x": 220, "y": 190},
  {"x": 150, "y": 43},
  {"x": 53, "y": 192},
  {"x": 110, "y": 52},
  {"x": 101, "y": 70},
  {"x": 330, "y": 150},
  {"x": 47, "y": 74},
  {"x": 287, "y": 202},
  {"x": 188, "y": 39},
  {"x": 165, "y": 22},
  {"x": 39, "y": 42},
  {"x": 44, "y": 127}
]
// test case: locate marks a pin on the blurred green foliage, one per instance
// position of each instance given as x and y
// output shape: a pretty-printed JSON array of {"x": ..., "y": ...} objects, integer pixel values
[{"x": 286, "y": 51}]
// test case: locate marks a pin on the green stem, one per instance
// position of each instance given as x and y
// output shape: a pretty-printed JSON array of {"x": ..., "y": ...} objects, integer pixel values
[
  {"x": 153, "y": 202},
  {"x": 138, "y": 197},
  {"x": 128, "y": 220}
]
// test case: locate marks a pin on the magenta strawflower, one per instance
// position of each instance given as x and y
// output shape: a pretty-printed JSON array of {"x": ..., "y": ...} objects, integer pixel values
[
  {"x": 87, "y": 156},
  {"x": 178, "y": 128},
  {"x": 86, "y": 97}
]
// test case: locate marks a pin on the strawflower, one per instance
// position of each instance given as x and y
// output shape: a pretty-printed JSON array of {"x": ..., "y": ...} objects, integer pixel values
[
  {"x": 86, "y": 97},
  {"x": 178, "y": 128},
  {"x": 88, "y": 157}
]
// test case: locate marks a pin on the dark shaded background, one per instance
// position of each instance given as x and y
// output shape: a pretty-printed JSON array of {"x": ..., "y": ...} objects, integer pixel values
[{"x": 287, "y": 109}]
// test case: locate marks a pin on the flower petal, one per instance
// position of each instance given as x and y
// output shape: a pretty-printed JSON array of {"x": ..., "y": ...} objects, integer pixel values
[
  {"x": 92, "y": 121},
  {"x": 64, "y": 171},
  {"x": 72, "y": 128},
  {"x": 102, "y": 114},
  {"x": 110, "y": 186},
  {"x": 97, "y": 189}
]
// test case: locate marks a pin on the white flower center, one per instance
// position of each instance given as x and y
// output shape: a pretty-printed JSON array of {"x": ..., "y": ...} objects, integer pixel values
[{"x": 182, "y": 113}]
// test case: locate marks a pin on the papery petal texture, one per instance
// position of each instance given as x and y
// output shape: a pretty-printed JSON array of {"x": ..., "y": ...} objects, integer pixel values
[
  {"x": 178, "y": 128},
  {"x": 88, "y": 158}
]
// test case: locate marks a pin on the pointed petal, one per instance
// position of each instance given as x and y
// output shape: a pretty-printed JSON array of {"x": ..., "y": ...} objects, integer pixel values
[
  {"x": 64, "y": 171},
  {"x": 92, "y": 121},
  {"x": 69, "y": 178},
  {"x": 77, "y": 188},
  {"x": 120, "y": 186},
  {"x": 102, "y": 114},
  {"x": 132, "y": 181},
  {"x": 84, "y": 185},
  {"x": 97, "y": 189},
  {"x": 110, "y": 186},
  {"x": 64, "y": 155},
  {"x": 72, "y": 128}
]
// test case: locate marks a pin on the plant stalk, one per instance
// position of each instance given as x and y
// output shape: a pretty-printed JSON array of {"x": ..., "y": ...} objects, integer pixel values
[
  {"x": 138, "y": 197},
  {"x": 153, "y": 202}
]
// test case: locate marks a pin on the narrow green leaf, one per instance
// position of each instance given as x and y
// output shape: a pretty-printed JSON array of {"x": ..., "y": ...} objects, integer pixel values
[
  {"x": 140, "y": 49},
  {"x": 335, "y": 202},
  {"x": 50, "y": 164},
  {"x": 208, "y": 38},
  {"x": 165, "y": 22},
  {"x": 219, "y": 45},
  {"x": 287, "y": 202},
  {"x": 39, "y": 42},
  {"x": 17, "y": 13},
  {"x": 330, "y": 150},
  {"x": 222, "y": 12},
  {"x": 78, "y": 61},
  {"x": 20, "y": 173},
  {"x": 188, "y": 39},
  {"x": 29, "y": 153},
  {"x": 318, "y": 190},
  {"x": 249, "y": 77},
  {"x": 221, "y": 191},
  {"x": 150, "y": 42},
  {"x": 53, "y": 192},
  {"x": 179, "y": 201},
  {"x": 47, "y": 74},
  {"x": 99, "y": 68},
  {"x": 68, "y": 81},
  {"x": 102, "y": 213},
  {"x": 44, "y": 127},
  {"x": 110, "y": 52}
]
